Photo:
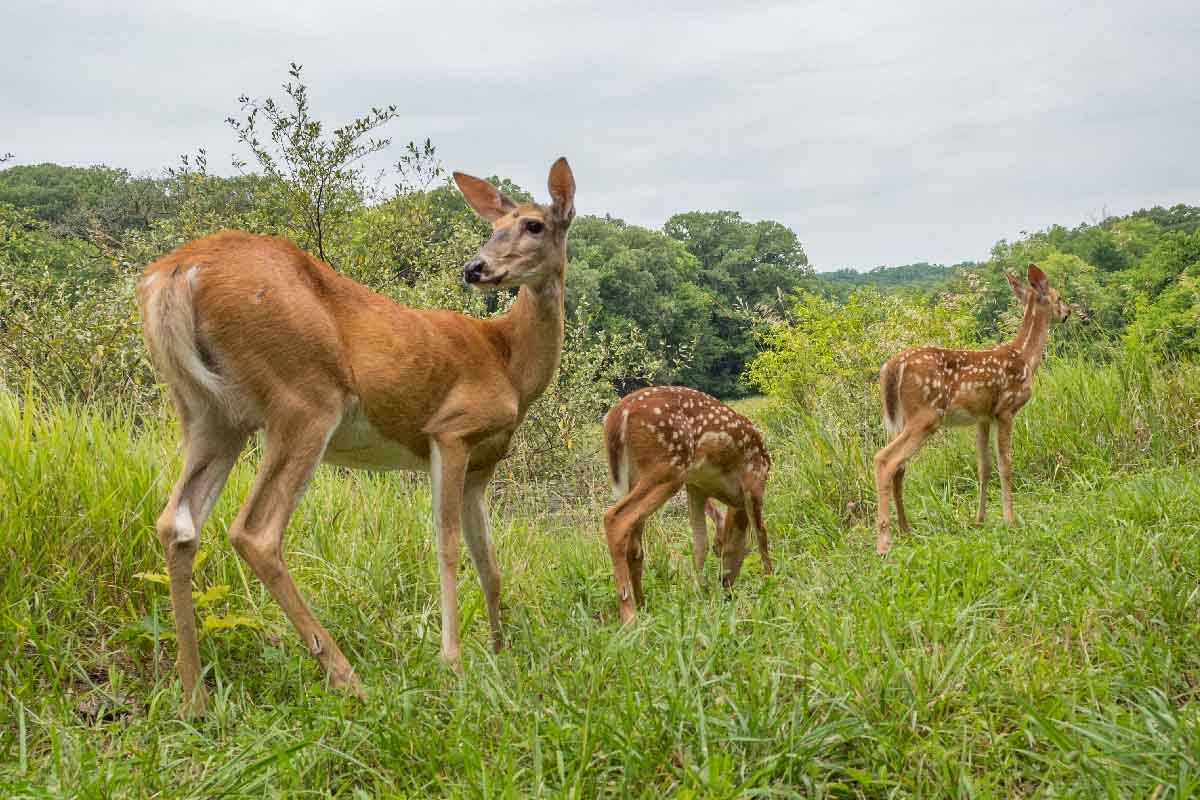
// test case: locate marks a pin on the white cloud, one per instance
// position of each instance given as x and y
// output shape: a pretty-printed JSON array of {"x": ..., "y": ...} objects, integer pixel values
[{"x": 881, "y": 132}]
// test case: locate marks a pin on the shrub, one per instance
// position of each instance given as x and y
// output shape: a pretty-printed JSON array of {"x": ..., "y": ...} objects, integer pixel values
[{"x": 830, "y": 353}]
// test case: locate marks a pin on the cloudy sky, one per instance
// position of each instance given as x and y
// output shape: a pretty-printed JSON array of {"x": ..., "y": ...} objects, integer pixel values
[{"x": 882, "y": 133}]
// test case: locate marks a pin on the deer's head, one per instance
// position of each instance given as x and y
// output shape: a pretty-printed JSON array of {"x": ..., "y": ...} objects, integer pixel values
[
  {"x": 1046, "y": 298},
  {"x": 529, "y": 241},
  {"x": 731, "y": 544}
]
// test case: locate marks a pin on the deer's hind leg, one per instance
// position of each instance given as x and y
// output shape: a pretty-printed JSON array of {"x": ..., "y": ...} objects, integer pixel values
[
  {"x": 1004, "y": 448},
  {"x": 211, "y": 447},
  {"x": 294, "y": 446},
  {"x": 983, "y": 445},
  {"x": 888, "y": 461},
  {"x": 898, "y": 497},
  {"x": 755, "y": 505},
  {"x": 622, "y": 522}
]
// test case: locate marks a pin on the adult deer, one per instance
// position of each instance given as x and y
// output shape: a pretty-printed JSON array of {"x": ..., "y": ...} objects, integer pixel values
[
  {"x": 249, "y": 332},
  {"x": 927, "y": 387},
  {"x": 665, "y": 437}
]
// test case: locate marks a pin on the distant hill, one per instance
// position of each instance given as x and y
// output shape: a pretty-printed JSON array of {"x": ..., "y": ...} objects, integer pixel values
[{"x": 923, "y": 276}]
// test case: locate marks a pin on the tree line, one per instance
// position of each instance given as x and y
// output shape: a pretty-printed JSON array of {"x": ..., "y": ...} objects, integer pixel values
[{"x": 710, "y": 299}]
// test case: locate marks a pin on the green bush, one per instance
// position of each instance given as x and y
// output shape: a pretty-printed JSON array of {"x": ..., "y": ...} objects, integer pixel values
[{"x": 827, "y": 352}]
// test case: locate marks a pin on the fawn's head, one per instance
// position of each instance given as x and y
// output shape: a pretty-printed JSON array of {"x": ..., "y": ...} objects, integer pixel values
[
  {"x": 1040, "y": 291},
  {"x": 529, "y": 241}
]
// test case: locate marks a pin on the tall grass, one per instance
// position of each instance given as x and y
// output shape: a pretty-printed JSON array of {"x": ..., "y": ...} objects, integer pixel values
[{"x": 1055, "y": 657}]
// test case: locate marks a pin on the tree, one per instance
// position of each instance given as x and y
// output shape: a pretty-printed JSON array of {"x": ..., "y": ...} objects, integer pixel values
[
  {"x": 319, "y": 178},
  {"x": 746, "y": 266}
]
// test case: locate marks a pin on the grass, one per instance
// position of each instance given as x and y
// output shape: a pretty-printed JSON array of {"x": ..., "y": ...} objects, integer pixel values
[{"x": 1056, "y": 657}]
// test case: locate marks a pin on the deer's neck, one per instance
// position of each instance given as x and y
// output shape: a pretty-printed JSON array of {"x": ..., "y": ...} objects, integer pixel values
[
  {"x": 534, "y": 330},
  {"x": 1030, "y": 340}
]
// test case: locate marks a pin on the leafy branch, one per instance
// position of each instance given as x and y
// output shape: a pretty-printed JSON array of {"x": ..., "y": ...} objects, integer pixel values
[{"x": 318, "y": 175}]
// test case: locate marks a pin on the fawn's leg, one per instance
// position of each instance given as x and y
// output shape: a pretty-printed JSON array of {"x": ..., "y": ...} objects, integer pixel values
[
  {"x": 887, "y": 462},
  {"x": 636, "y": 558},
  {"x": 760, "y": 530},
  {"x": 696, "y": 516},
  {"x": 898, "y": 497},
  {"x": 1004, "y": 446},
  {"x": 983, "y": 445},
  {"x": 621, "y": 520}
]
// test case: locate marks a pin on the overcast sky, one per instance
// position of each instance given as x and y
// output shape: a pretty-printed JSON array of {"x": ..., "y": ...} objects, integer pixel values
[{"x": 882, "y": 133}]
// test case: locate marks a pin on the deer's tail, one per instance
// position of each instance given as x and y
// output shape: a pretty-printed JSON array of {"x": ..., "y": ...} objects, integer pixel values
[
  {"x": 614, "y": 440},
  {"x": 890, "y": 376},
  {"x": 165, "y": 299}
]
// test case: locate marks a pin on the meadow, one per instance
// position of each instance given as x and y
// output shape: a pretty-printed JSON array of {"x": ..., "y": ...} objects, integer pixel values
[{"x": 1055, "y": 657}]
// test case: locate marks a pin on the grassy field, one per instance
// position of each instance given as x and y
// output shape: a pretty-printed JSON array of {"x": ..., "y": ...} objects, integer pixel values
[{"x": 1056, "y": 657}]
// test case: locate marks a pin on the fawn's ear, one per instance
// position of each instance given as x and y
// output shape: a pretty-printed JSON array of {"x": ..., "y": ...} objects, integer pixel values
[
  {"x": 488, "y": 201},
  {"x": 717, "y": 517},
  {"x": 1018, "y": 288},
  {"x": 1037, "y": 279},
  {"x": 562, "y": 191}
]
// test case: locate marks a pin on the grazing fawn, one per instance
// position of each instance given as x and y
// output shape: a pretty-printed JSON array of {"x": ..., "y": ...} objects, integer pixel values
[
  {"x": 665, "y": 437},
  {"x": 250, "y": 333},
  {"x": 927, "y": 387}
]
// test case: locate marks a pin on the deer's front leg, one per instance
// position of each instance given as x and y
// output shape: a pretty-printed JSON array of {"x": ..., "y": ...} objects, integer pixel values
[
  {"x": 477, "y": 530},
  {"x": 696, "y": 516},
  {"x": 448, "y": 472},
  {"x": 1004, "y": 446}
]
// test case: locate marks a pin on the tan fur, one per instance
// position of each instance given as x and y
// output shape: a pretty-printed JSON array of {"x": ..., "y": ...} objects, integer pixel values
[
  {"x": 661, "y": 439},
  {"x": 927, "y": 387},
  {"x": 249, "y": 332}
]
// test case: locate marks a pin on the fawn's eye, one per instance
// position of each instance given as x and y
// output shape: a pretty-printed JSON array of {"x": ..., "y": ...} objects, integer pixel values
[{"x": 534, "y": 226}]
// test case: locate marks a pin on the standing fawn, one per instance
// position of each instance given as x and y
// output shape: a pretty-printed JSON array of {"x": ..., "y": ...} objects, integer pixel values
[
  {"x": 665, "y": 437},
  {"x": 927, "y": 387},
  {"x": 250, "y": 333}
]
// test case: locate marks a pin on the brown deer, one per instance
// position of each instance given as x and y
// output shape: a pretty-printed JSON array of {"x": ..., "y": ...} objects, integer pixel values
[
  {"x": 249, "y": 333},
  {"x": 927, "y": 387},
  {"x": 662, "y": 438}
]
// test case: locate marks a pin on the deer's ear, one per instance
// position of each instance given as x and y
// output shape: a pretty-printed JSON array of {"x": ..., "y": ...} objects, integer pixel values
[
  {"x": 1018, "y": 288},
  {"x": 1037, "y": 279},
  {"x": 562, "y": 191},
  {"x": 488, "y": 201}
]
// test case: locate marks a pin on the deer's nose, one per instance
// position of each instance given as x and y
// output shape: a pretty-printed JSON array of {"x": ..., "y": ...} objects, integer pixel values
[{"x": 473, "y": 270}]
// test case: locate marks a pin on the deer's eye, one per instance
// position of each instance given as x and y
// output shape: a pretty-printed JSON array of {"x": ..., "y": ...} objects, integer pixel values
[{"x": 534, "y": 226}]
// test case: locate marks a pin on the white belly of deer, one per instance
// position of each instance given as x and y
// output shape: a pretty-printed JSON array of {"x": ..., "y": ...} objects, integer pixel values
[{"x": 357, "y": 443}]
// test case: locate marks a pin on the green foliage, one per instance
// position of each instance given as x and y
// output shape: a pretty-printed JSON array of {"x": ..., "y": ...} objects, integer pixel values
[
  {"x": 922, "y": 277},
  {"x": 695, "y": 290},
  {"x": 639, "y": 281},
  {"x": 824, "y": 350},
  {"x": 746, "y": 267},
  {"x": 76, "y": 200},
  {"x": 318, "y": 179}
]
